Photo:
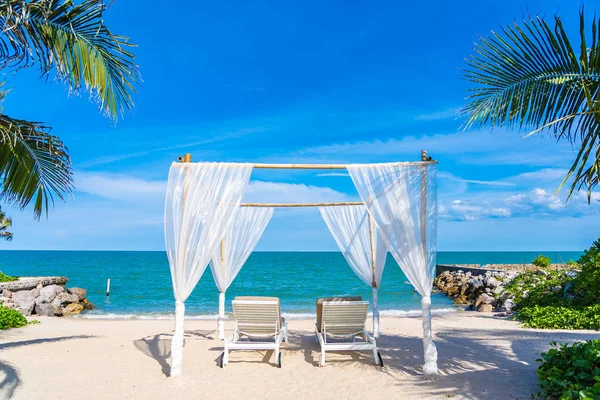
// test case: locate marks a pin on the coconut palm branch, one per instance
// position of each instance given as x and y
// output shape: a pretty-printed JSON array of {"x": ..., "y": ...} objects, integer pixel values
[
  {"x": 69, "y": 43},
  {"x": 72, "y": 42},
  {"x": 530, "y": 76},
  {"x": 34, "y": 165},
  {"x": 5, "y": 223}
]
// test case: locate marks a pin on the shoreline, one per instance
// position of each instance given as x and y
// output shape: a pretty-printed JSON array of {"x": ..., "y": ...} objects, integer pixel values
[{"x": 480, "y": 356}]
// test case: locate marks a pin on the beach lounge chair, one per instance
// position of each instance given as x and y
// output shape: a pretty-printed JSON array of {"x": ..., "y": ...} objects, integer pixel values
[
  {"x": 341, "y": 326},
  {"x": 258, "y": 326}
]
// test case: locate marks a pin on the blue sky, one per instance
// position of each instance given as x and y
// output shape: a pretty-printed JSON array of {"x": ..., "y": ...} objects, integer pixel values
[{"x": 312, "y": 82}]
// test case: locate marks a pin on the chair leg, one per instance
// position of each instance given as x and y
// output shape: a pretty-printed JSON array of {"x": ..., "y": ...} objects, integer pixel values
[
  {"x": 376, "y": 356},
  {"x": 322, "y": 363}
]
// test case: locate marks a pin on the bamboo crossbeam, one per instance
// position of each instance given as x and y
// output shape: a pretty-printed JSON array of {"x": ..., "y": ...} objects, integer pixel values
[
  {"x": 188, "y": 158},
  {"x": 342, "y": 203}
]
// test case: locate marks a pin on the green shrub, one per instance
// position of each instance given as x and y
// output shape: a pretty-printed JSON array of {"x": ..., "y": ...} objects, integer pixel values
[
  {"x": 560, "y": 317},
  {"x": 587, "y": 285},
  {"x": 7, "y": 278},
  {"x": 541, "y": 261},
  {"x": 543, "y": 289},
  {"x": 11, "y": 319},
  {"x": 570, "y": 371}
]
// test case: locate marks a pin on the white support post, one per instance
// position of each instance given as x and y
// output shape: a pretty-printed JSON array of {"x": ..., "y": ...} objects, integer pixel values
[
  {"x": 177, "y": 341},
  {"x": 375, "y": 314},
  {"x": 221, "y": 321}
]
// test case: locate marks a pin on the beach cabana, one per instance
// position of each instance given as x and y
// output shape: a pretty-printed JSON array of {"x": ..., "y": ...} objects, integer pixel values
[{"x": 397, "y": 213}]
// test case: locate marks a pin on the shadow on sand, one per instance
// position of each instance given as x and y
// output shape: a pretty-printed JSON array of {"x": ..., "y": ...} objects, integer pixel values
[
  {"x": 473, "y": 364},
  {"x": 9, "y": 380}
]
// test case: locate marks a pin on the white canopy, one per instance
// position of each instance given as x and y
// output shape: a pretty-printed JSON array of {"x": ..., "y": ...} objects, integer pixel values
[
  {"x": 236, "y": 246},
  {"x": 361, "y": 245},
  {"x": 402, "y": 199},
  {"x": 203, "y": 198},
  {"x": 201, "y": 201}
]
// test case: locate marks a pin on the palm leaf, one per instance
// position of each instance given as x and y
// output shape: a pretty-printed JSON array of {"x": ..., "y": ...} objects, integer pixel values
[
  {"x": 72, "y": 41},
  {"x": 5, "y": 223},
  {"x": 34, "y": 165},
  {"x": 530, "y": 76}
]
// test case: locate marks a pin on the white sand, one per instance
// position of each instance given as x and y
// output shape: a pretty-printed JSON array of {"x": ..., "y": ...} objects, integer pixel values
[{"x": 480, "y": 356}]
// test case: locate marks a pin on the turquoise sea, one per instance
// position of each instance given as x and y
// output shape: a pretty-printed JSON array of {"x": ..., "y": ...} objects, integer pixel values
[{"x": 141, "y": 281}]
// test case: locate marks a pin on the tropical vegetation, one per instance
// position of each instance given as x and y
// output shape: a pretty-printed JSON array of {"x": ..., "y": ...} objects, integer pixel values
[
  {"x": 7, "y": 278},
  {"x": 560, "y": 299},
  {"x": 532, "y": 76},
  {"x": 69, "y": 43},
  {"x": 5, "y": 223},
  {"x": 570, "y": 371},
  {"x": 11, "y": 318}
]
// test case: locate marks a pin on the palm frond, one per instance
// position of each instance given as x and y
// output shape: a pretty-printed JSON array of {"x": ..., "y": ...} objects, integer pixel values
[
  {"x": 5, "y": 223},
  {"x": 530, "y": 76},
  {"x": 34, "y": 165},
  {"x": 73, "y": 41}
]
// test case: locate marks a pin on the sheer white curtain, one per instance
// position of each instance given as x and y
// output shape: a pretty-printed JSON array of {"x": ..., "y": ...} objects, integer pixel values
[
  {"x": 402, "y": 199},
  {"x": 201, "y": 201},
  {"x": 361, "y": 245},
  {"x": 241, "y": 238}
]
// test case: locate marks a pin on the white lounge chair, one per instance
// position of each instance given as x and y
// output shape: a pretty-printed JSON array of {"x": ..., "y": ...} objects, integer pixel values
[
  {"x": 341, "y": 326},
  {"x": 258, "y": 326}
]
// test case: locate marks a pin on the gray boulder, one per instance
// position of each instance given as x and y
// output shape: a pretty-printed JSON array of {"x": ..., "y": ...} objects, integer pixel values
[
  {"x": 508, "y": 305},
  {"x": 56, "y": 307},
  {"x": 7, "y": 293},
  {"x": 24, "y": 301},
  {"x": 63, "y": 298},
  {"x": 44, "y": 309},
  {"x": 493, "y": 282},
  {"x": 48, "y": 293},
  {"x": 79, "y": 292}
]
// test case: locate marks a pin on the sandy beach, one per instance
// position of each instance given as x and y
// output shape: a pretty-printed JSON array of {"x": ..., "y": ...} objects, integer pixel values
[{"x": 480, "y": 356}]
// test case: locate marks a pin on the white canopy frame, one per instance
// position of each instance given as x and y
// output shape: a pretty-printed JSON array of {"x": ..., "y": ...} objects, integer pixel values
[{"x": 427, "y": 246}]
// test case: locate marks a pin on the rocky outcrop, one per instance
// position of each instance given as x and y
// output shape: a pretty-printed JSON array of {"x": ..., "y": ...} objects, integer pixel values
[
  {"x": 484, "y": 293},
  {"x": 45, "y": 296}
]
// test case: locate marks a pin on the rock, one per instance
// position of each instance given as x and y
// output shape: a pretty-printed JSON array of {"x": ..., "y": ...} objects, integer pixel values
[
  {"x": 74, "y": 298},
  {"x": 87, "y": 305},
  {"x": 24, "y": 301},
  {"x": 493, "y": 282},
  {"x": 63, "y": 298},
  {"x": 477, "y": 284},
  {"x": 7, "y": 293},
  {"x": 485, "y": 308},
  {"x": 81, "y": 293},
  {"x": 48, "y": 293},
  {"x": 9, "y": 305},
  {"x": 44, "y": 309},
  {"x": 72, "y": 309},
  {"x": 508, "y": 305},
  {"x": 541, "y": 272},
  {"x": 56, "y": 307},
  {"x": 483, "y": 299}
]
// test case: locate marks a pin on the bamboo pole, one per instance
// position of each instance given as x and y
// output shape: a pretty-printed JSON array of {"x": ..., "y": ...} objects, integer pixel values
[
  {"x": 424, "y": 157},
  {"x": 342, "y": 203},
  {"x": 326, "y": 166}
]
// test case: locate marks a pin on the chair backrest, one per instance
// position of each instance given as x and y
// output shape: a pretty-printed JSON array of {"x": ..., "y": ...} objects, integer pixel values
[
  {"x": 338, "y": 298},
  {"x": 344, "y": 318},
  {"x": 257, "y": 316}
]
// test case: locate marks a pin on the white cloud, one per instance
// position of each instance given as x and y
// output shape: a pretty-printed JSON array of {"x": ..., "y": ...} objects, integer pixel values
[
  {"x": 279, "y": 192},
  {"x": 333, "y": 174},
  {"x": 119, "y": 187},
  {"x": 437, "y": 115}
]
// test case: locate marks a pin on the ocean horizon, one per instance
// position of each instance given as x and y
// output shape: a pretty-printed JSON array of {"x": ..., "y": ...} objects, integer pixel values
[{"x": 141, "y": 282}]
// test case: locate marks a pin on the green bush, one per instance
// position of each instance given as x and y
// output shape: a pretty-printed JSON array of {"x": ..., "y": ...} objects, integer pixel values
[
  {"x": 587, "y": 285},
  {"x": 570, "y": 371},
  {"x": 560, "y": 317},
  {"x": 11, "y": 319},
  {"x": 542, "y": 289},
  {"x": 7, "y": 278},
  {"x": 541, "y": 261}
]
